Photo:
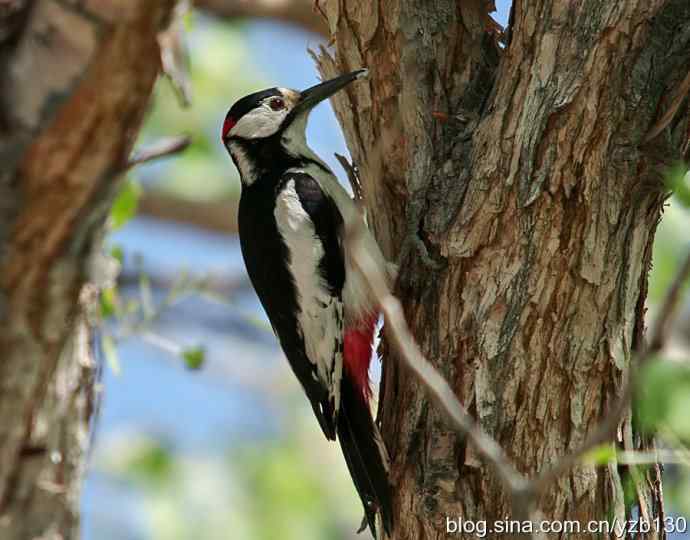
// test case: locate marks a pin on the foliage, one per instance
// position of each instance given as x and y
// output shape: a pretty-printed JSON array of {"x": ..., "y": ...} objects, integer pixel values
[
  {"x": 665, "y": 397},
  {"x": 202, "y": 172},
  {"x": 285, "y": 493},
  {"x": 662, "y": 409},
  {"x": 273, "y": 489},
  {"x": 194, "y": 357},
  {"x": 270, "y": 489},
  {"x": 125, "y": 205},
  {"x": 261, "y": 492},
  {"x": 678, "y": 181},
  {"x": 671, "y": 234}
]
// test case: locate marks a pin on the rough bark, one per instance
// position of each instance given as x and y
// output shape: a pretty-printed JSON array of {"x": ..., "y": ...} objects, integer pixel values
[
  {"x": 76, "y": 82},
  {"x": 523, "y": 226}
]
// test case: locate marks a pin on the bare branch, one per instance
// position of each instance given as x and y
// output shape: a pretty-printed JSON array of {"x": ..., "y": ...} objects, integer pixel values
[
  {"x": 607, "y": 428},
  {"x": 218, "y": 216},
  {"x": 433, "y": 382},
  {"x": 298, "y": 12},
  {"x": 674, "y": 457},
  {"x": 352, "y": 176},
  {"x": 524, "y": 492},
  {"x": 217, "y": 286},
  {"x": 603, "y": 433},
  {"x": 163, "y": 148},
  {"x": 175, "y": 55}
]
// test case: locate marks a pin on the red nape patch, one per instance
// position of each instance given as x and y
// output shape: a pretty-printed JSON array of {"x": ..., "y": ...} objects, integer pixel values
[
  {"x": 357, "y": 353},
  {"x": 228, "y": 125}
]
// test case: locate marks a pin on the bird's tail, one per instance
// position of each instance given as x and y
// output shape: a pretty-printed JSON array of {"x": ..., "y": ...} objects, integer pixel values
[{"x": 365, "y": 455}]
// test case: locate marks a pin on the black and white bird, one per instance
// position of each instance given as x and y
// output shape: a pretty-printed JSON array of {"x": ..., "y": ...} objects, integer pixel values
[{"x": 292, "y": 217}]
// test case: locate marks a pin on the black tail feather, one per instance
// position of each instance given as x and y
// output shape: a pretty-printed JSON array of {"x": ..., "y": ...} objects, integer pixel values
[{"x": 356, "y": 432}]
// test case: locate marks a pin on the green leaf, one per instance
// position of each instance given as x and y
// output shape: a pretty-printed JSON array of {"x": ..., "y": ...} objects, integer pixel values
[
  {"x": 152, "y": 465},
  {"x": 600, "y": 455},
  {"x": 678, "y": 418},
  {"x": 188, "y": 20},
  {"x": 110, "y": 351},
  {"x": 194, "y": 357},
  {"x": 117, "y": 253},
  {"x": 109, "y": 302},
  {"x": 126, "y": 203},
  {"x": 663, "y": 389}
]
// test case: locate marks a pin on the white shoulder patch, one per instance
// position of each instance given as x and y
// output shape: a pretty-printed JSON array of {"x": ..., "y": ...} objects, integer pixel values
[
  {"x": 358, "y": 298},
  {"x": 320, "y": 313}
]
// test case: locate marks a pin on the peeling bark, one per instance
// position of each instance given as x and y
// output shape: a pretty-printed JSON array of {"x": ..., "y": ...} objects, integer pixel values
[
  {"x": 523, "y": 225},
  {"x": 76, "y": 82}
]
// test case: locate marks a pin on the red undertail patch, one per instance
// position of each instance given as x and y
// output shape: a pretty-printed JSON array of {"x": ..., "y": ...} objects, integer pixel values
[{"x": 357, "y": 353}]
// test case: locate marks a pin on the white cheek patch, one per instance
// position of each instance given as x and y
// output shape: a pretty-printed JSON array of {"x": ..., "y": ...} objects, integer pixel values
[{"x": 258, "y": 123}]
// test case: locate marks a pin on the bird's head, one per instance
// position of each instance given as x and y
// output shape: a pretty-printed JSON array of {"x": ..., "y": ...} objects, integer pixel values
[{"x": 261, "y": 127}]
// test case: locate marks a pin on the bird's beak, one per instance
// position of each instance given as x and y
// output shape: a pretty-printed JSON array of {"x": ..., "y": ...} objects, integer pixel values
[{"x": 310, "y": 97}]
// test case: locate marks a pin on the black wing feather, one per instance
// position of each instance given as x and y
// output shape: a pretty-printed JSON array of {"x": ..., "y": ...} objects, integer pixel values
[{"x": 327, "y": 224}]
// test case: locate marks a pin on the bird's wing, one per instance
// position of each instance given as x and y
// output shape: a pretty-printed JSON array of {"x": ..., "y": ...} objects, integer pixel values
[{"x": 309, "y": 222}]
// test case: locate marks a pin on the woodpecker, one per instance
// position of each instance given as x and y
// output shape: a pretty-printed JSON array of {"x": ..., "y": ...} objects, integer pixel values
[{"x": 292, "y": 217}]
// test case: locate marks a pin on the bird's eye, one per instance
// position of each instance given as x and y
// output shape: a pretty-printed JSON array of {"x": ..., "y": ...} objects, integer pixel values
[{"x": 277, "y": 104}]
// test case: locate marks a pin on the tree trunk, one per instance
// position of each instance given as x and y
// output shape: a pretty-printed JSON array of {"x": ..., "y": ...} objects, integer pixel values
[
  {"x": 518, "y": 190},
  {"x": 76, "y": 82}
]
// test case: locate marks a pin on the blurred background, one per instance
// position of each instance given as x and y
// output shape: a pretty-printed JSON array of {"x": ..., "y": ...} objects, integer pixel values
[{"x": 204, "y": 432}]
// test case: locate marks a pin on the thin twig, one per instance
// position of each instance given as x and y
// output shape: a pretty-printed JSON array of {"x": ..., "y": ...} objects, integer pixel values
[
  {"x": 608, "y": 426},
  {"x": 352, "y": 176},
  {"x": 220, "y": 285},
  {"x": 436, "y": 387},
  {"x": 175, "y": 62},
  {"x": 162, "y": 148},
  {"x": 603, "y": 433},
  {"x": 524, "y": 492},
  {"x": 669, "y": 435},
  {"x": 317, "y": 8},
  {"x": 671, "y": 457}
]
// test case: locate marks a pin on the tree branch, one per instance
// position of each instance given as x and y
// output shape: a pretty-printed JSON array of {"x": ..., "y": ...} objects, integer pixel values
[
  {"x": 218, "y": 216},
  {"x": 297, "y": 12},
  {"x": 352, "y": 176},
  {"x": 162, "y": 148},
  {"x": 434, "y": 384},
  {"x": 524, "y": 492},
  {"x": 75, "y": 87}
]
